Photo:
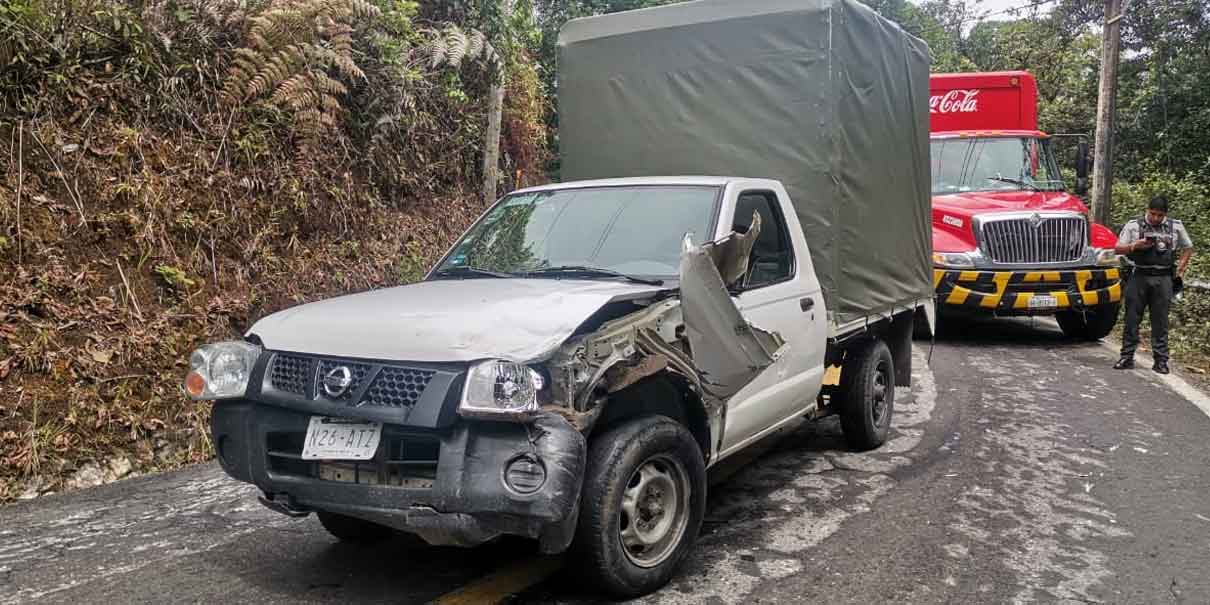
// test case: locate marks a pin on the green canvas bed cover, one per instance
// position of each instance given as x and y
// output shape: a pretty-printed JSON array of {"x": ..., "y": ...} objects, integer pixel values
[{"x": 825, "y": 96}]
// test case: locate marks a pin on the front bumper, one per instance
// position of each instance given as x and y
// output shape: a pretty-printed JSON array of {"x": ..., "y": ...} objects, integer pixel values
[
  {"x": 447, "y": 486},
  {"x": 1010, "y": 292}
]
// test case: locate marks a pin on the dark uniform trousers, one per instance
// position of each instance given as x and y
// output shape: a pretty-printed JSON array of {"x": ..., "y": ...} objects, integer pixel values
[{"x": 1148, "y": 290}]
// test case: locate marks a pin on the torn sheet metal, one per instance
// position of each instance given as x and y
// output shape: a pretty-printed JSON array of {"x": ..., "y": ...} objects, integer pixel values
[
  {"x": 727, "y": 350},
  {"x": 701, "y": 336},
  {"x": 626, "y": 374},
  {"x": 732, "y": 253},
  {"x": 580, "y": 366}
]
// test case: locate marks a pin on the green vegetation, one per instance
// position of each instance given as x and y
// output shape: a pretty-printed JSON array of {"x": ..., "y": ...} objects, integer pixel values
[{"x": 173, "y": 170}]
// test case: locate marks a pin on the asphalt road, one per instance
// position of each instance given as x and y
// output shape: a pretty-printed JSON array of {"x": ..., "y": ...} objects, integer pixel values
[{"x": 1021, "y": 469}]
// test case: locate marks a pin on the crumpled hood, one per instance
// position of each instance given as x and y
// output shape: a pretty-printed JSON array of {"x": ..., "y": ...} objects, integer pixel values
[{"x": 446, "y": 320}]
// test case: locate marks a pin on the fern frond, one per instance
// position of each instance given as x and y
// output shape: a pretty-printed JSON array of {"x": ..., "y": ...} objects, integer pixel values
[
  {"x": 327, "y": 85},
  {"x": 456, "y": 44},
  {"x": 476, "y": 43}
]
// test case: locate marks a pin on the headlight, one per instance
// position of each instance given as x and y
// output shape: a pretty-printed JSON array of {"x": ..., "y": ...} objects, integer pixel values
[
  {"x": 954, "y": 260},
  {"x": 500, "y": 390},
  {"x": 1107, "y": 258},
  {"x": 221, "y": 370}
]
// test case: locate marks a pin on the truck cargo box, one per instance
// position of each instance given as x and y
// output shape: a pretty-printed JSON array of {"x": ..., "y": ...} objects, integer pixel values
[
  {"x": 823, "y": 95},
  {"x": 1001, "y": 100}
]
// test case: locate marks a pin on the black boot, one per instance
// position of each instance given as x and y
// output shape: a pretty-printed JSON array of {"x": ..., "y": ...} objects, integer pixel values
[
  {"x": 1160, "y": 367},
  {"x": 1125, "y": 363}
]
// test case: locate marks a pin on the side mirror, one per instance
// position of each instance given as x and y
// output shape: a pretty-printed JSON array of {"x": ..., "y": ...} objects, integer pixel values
[{"x": 1082, "y": 167}]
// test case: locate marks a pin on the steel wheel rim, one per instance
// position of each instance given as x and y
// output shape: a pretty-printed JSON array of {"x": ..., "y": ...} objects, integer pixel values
[
  {"x": 655, "y": 511},
  {"x": 880, "y": 393}
]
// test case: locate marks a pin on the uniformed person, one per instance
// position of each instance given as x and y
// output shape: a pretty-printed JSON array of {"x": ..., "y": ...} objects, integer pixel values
[{"x": 1152, "y": 242}]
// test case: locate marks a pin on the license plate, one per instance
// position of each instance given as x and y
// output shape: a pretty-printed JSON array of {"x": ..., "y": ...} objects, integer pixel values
[
  {"x": 1043, "y": 301},
  {"x": 340, "y": 439}
]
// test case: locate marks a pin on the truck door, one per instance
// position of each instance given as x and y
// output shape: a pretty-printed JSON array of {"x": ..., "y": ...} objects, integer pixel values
[{"x": 781, "y": 294}]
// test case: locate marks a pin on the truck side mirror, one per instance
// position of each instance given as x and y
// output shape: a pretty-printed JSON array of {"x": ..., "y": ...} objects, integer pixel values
[{"x": 1082, "y": 167}]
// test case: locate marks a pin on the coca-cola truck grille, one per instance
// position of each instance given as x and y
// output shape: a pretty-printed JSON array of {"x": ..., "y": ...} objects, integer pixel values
[{"x": 1035, "y": 239}]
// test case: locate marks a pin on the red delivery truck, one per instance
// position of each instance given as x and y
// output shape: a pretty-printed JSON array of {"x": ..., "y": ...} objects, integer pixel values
[{"x": 1008, "y": 238}]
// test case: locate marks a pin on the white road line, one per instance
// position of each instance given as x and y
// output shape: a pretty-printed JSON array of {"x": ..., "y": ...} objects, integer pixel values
[
  {"x": 1187, "y": 391},
  {"x": 1191, "y": 393}
]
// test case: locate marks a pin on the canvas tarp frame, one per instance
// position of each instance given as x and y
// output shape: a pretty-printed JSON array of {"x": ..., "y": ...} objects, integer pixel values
[{"x": 825, "y": 96}]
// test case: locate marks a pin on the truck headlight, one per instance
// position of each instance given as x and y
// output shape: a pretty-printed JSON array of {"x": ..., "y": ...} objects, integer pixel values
[
  {"x": 1107, "y": 258},
  {"x": 221, "y": 370},
  {"x": 953, "y": 260},
  {"x": 500, "y": 390}
]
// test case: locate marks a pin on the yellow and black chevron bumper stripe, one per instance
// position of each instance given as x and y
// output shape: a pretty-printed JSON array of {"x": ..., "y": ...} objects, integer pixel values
[{"x": 1011, "y": 291}]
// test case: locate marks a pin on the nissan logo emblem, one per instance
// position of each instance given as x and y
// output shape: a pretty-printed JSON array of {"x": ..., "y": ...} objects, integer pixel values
[{"x": 337, "y": 381}]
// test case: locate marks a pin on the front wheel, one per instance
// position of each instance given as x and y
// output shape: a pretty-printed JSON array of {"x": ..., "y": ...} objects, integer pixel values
[
  {"x": 1094, "y": 324},
  {"x": 642, "y": 505},
  {"x": 867, "y": 395}
]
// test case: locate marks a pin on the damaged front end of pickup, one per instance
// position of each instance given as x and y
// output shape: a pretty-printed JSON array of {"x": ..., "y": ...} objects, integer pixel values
[
  {"x": 683, "y": 356},
  {"x": 493, "y": 442}
]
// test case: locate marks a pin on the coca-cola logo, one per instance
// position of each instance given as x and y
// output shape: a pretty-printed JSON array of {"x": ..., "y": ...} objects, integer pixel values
[{"x": 955, "y": 101}]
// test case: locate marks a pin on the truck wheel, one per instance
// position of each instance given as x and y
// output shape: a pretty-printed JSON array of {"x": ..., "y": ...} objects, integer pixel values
[
  {"x": 1093, "y": 324},
  {"x": 352, "y": 529},
  {"x": 867, "y": 395},
  {"x": 642, "y": 505}
]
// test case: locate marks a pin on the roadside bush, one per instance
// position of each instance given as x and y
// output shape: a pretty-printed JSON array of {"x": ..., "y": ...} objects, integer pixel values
[{"x": 175, "y": 169}]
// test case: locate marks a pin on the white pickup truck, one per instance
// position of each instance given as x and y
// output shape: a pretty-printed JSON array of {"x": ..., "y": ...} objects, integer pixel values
[
  {"x": 569, "y": 370},
  {"x": 577, "y": 360}
]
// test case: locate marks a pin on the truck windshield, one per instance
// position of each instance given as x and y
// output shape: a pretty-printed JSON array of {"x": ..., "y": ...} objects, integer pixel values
[
  {"x": 993, "y": 164},
  {"x": 630, "y": 230}
]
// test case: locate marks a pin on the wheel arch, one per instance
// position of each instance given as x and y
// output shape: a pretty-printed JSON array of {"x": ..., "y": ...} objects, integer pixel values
[
  {"x": 662, "y": 394},
  {"x": 895, "y": 331}
]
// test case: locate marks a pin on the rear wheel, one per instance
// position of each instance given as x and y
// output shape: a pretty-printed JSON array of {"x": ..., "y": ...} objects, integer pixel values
[
  {"x": 1093, "y": 324},
  {"x": 643, "y": 501},
  {"x": 352, "y": 529},
  {"x": 867, "y": 395}
]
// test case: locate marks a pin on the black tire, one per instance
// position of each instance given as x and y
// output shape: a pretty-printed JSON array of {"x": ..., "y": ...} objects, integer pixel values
[
  {"x": 950, "y": 325},
  {"x": 352, "y": 529},
  {"x": 1093, "y": 324},
  {"x": 867, "y": 395},
  {"x": 920, "y": 327},
  {"x": 624, "y": 474}
]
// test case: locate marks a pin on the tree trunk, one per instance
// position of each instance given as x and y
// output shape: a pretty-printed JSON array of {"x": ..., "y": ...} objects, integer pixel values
[
  {"x": 1102, "y": 163},
  {"x": 491, "y": 141}
]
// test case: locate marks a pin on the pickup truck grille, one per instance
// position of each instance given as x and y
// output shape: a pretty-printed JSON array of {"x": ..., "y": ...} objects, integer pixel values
[
  {"x": 1036, "y": 239},
  {"x": 391, "y": 386},
  {"x": 397, "y": 387},
  {"x": 292, "y": 373}
]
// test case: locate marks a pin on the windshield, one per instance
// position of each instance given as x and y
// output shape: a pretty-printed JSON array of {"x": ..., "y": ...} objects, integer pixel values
[
  {"x": 631, "y": 230},
  {"x": 993, "y": 164}
]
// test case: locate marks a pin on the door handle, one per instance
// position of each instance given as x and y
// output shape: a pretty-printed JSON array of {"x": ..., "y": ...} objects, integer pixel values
[{"x": 806, "y": 304}]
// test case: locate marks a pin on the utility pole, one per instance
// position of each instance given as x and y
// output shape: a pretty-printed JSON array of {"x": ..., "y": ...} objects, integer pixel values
[
  {"x": 491, "y": 138},
  {"x": 1102, "y": 162}
]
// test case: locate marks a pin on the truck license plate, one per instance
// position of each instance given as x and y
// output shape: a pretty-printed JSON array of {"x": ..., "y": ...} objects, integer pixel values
[
  {"x": 1043, "y": 301},
  {"x": 340, "y": 439}
]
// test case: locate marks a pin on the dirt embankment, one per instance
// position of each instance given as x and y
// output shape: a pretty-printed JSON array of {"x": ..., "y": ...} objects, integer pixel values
[
  {"x": 131, "y": 250},
  {"x": 172, "y": 171}
]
